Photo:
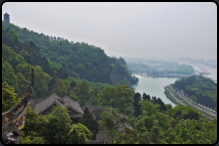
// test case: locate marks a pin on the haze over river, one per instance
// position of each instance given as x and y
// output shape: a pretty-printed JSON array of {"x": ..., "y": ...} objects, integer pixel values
[
  {"x": 199, "y": 67},
  {"x": 154, "y": 87}
]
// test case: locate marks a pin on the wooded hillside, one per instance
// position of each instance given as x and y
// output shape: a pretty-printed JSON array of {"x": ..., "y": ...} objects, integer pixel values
[
  {"x": 66, "y": 59},
  {"x": 204, "y": 89}
]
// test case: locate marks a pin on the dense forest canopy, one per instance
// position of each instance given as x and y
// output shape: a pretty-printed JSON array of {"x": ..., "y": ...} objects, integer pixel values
[
  {"x": 66, "y": 59},
  {"x": 201, "y": 89}
]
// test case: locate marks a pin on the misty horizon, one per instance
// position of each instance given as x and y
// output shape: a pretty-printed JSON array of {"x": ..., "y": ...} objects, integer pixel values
[{"x": 134, "y": 30}]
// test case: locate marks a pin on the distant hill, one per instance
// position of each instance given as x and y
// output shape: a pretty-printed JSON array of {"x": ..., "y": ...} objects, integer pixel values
[{"x": 67, "y": 59}]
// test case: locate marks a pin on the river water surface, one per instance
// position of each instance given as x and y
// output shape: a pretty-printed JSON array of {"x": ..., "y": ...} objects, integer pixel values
[{"x": 154, "y": 87}]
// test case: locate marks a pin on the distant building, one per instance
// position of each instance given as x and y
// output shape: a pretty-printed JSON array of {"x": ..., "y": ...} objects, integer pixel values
[
  {"x": 7, "y": 17},
  {"x": 101, "y": 136}
]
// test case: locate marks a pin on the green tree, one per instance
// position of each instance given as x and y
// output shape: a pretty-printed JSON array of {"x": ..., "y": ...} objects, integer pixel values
[
  {"x": 8, "y": 75},
  {"x": 25, "y": 54},
  {"x": 61, "y": 113},
  {"x": 194, "y": 98},
  {"x": 21, "y": 80},
  {"x": 163, "y": 121},
  {"x": 73, "y": 138},
  {"x": 121, "y": 97},
  {"x": 191, "y": 115},
  {"x": 148, "y": 107},
  {"x": 82, "y": 132},
  {"x": 9, "y": 99},
  {"x": 73, "y": 96},
  {"x": 73, "y": 84},
  {"x": 93, "y": 97},
  {"x": 83, "y": 93},
  {"x": 129, "y": 137},
  {"x": 59, "y": 88},
  {"x": 89, "y": 122},
  {"x": 148, "y": 124},
  {"x": 31, "y": 138},
  {"x": 110, "y": 121},
  {"x": 34, "y": 122},
  {"x": 107, "y": 95},
  {"x": 56, "y": 131},
  {"x": 146, "y": 97},
  {"x": 34, "y": 128},
  {"x": 137, "y": 99}
]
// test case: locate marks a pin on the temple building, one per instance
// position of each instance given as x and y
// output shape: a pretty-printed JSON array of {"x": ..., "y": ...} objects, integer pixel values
[
  {"x": 95, "y": 110},
  {"x": 45, "y": 105},
  {"x": 101, "y": 137},
  {"x": 7, "y": 17}
]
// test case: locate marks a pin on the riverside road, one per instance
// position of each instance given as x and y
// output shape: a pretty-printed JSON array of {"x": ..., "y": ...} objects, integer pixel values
[{"x": 204, "y": 111}]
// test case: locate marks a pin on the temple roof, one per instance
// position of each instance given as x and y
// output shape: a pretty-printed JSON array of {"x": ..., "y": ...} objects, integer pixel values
[
  {"x": 68, "y": 102},
  {"x": 91, "y": 108}
]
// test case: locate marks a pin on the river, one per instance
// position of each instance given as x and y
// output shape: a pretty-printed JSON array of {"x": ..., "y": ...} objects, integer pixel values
[{"x": 154, "y": 87}]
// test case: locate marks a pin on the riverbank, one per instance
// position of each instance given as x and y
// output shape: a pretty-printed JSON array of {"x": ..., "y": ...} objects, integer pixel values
[
  {"x": 170, "y": 96},
  {"x": 185, "y": 102},
  {"x": 144, "y": 75}
]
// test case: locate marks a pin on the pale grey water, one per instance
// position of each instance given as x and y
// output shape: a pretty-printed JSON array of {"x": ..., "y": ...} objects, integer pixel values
[{"x": 154, "y": 87}]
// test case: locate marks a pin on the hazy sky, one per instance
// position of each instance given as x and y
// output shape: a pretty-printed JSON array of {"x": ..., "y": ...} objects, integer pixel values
[{"x": 126, "y": 29}]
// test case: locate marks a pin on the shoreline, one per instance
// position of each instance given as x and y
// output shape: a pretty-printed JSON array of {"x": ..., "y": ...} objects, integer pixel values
[
  {"x": 184, "y": 102},
  {"x": 141, "y": 75},
  {"x": 144, "y": 75}
]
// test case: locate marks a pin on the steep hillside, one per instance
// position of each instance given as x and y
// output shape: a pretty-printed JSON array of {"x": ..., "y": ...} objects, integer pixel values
[{"x": 69, "y": 58}]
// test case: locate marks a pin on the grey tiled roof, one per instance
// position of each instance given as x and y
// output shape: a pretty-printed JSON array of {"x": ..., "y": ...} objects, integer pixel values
[
  {"x": 64, "y": 102},
  {"x": 68, "y": 102},
  {"x": 91, "y": 108},
  {"x": 48, "y": 102}
]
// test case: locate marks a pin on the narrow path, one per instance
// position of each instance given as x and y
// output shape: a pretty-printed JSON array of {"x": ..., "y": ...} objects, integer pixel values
[{"x": 203, "y": 111}]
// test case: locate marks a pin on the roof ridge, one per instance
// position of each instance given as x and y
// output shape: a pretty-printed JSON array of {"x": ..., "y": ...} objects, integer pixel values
[
  {"x": 55, "y": 100},
  {"x": 75, "y": 109},
  {"x": 50, "y": 96}
]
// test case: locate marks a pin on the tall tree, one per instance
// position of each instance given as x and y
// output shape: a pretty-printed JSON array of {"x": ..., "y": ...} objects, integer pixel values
[
  {"x": 9, "y": 99},
  {"x": 8, "y": 74},
  {"x": 56, "y": 131},
  {"x": 83, "y": 93},
  {"x": 137, "y": 99},
  {"x": 82, "y": 132},
  {"x": 129, "y": 137},
  {"x": 110, "y": 121},
  {"x": 89, "y": 122},
  {"x": 145, "y": 96},
  {"x": 61, "y": 113}
]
